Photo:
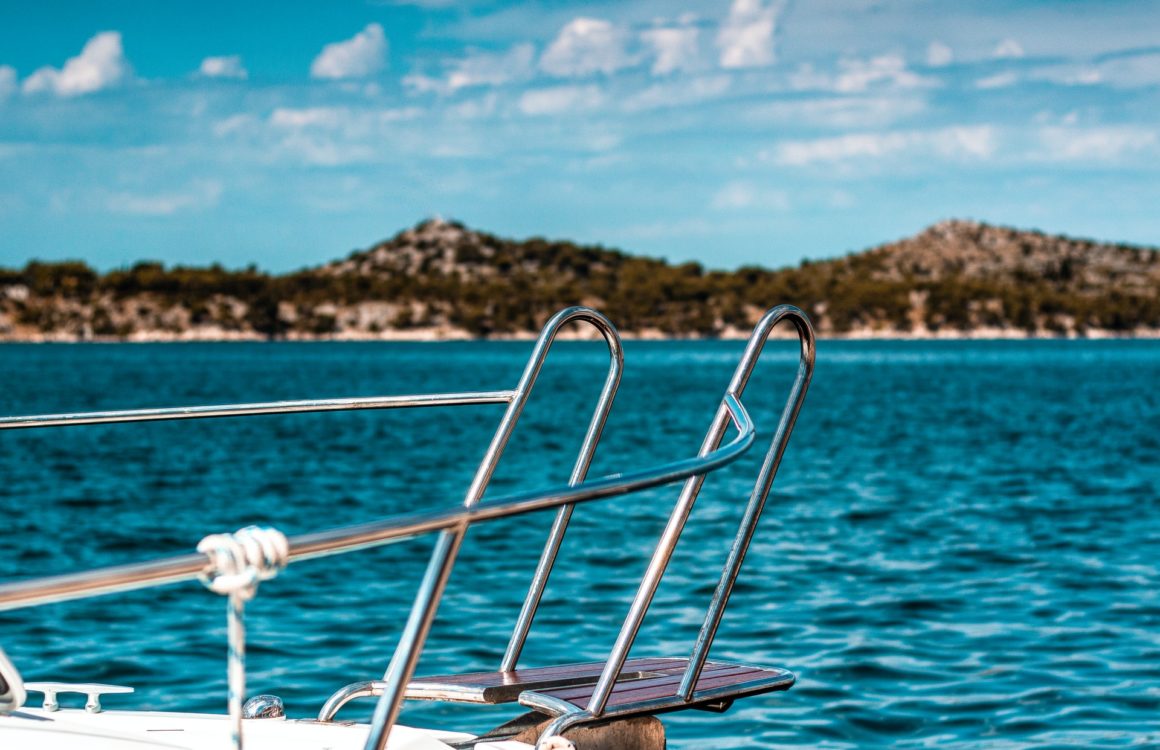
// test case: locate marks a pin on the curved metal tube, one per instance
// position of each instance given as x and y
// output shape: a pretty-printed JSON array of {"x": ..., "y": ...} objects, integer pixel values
[
  {"x": 348, "y": 693},
  {"x": 761, "y": 487},
  {"x": 564, "y": 514},
  {"x": 676, "y": 471},
  {"x": 680, "y": 514},
  {"x": 414, "y": 636},
  {"x": 249, "y": 410},
  {"x": 180, "y": 568}
]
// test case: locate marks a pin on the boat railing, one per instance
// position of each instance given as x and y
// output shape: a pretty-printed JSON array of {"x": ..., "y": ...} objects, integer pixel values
[{"x": 452, "y": 524}]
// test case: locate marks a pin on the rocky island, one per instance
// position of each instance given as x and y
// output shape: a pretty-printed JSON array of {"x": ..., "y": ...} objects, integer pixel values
[{"x": 442, "y": 280}]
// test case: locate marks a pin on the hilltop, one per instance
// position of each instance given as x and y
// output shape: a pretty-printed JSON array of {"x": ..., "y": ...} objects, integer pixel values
[{"x": 441, "y": 279}]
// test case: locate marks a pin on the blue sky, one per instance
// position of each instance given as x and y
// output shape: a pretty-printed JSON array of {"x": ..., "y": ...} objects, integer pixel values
[{"x": 733, "y": 132}]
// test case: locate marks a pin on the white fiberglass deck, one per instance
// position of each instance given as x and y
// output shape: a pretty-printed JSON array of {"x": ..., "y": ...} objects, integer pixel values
[{"x": 149, "y": 730}]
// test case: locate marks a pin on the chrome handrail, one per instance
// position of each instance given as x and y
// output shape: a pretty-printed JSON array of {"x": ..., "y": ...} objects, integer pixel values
[
  {"x": 179, "y": 568},
  {"x": 263, "y": 408},
  {"x": 453, "y": 523},
  {"x": 684, "y": 506},
  {"x": 406, "y": 656},
  {"x": 560, "y": 524},
  {"x": 188, "y": 567},
  {"x": 763, "y": 484},
  {"x": 515, "y": 399},
  {"x": 453, "y": 526}
]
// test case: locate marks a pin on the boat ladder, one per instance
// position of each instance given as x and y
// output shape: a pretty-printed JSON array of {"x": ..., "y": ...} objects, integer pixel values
[{"x": 619, "y": 687}]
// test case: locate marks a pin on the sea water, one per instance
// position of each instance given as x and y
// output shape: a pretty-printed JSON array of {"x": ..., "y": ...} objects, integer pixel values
[{"x": 961, "y": 549}]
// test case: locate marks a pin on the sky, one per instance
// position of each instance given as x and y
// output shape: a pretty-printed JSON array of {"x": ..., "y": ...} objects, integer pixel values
[{"x": 742, "y": 132}]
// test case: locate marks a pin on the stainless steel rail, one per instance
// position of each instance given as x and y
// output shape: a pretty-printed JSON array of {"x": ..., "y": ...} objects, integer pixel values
[
  {"x": 406, "y": 656},
  {"x": 563, "y": 516},
  {"x": 680, "y": 514},
  {"x": 764, "y": 482},
  {"x": 453, "y": 523},
  {"x": 686, "y": 692},
  {"x": 109, "y": 580},
  {"x": 249, "y": 410}
]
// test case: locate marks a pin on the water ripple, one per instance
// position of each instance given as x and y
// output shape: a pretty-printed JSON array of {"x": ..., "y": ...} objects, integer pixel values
[{"x": 960, "y": 552}]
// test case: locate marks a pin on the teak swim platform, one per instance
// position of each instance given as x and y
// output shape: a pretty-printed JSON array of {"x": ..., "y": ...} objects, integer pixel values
[{"x": 565, "y": 700}]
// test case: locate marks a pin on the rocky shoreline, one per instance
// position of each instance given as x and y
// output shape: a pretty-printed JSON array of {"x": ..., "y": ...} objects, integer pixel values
[{"x": 437, "y": 335}]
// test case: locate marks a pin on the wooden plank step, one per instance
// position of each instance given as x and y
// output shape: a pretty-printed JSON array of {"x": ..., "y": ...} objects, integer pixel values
[
  {"x": 720, "y": 684},
  {"x": 505, "y": 687}
]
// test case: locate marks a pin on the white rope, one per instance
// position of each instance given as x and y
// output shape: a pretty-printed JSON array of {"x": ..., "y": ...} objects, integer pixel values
[
  {"x": 238, "y": 562},
  {"x": 241, "y": 560}
]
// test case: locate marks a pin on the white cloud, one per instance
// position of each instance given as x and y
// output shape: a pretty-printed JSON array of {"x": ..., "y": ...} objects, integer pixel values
[
  {"x": 939, "y": 54},
  {"x": 807, "y": 77},
  {"x": 955, "y": 142},
  {"x": 7, "y": 81},
  {"x": 310, "y": 117},
  {"x": 100, "y": 64},
  {"x": 319, "y": 150},
  {"x": 586, "y": 46},
  {"x": 976, "y": 141},
  {"x": 1130, "y": 71},
  {"x": 479, "y": 69},
  {"x": 353, "y": 122},
  {"x": 1097, "y": 144},
  {"x": 199, "y": 196},
  {"x": 802, "y": 153},
  {"x": 740, "y": 196},
  {"x": 226, "y": 66},
  {"x": 473, "y": 109},
  {"x": 846, "y": 112},
  {"x": 746, "y": 36},
  {"x": 997, "y": 81},
  {"x": 855, "y": 76},
  {"x": 234, "y": 124},
  {"x": 561, "y": 99},
  {"x": 327, "y": 136},
  {"x": 363, "y": 55},
  {"x": 424, "y": 84},
  {"x": 675, "y": 47},
  {"x": 678, "y": 93},
  {"x": 492, "y": 70},
  {"x": 397, "y": 114},
  {"x": 858, "y": 75},
  {"x": 1068, "y": 75},
  {"x": 335, "y": 136},
  {"x": 1008, "y": 48}
]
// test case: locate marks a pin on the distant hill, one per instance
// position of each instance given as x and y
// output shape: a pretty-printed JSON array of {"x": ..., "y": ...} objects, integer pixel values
[{"x": 443, "y": 280}]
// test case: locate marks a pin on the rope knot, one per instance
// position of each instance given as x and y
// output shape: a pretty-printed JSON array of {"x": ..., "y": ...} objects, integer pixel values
[{"x": 239, "y": 561}]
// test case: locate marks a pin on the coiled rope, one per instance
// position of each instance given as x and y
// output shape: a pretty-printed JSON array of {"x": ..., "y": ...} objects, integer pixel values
[{"x": 238, "y": 562}]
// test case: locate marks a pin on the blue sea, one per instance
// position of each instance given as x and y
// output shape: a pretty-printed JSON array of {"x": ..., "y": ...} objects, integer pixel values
[{"x": 961, "y": 549}]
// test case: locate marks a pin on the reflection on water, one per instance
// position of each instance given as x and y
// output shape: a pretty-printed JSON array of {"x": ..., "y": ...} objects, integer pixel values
[{"x": 961, "y": 550}]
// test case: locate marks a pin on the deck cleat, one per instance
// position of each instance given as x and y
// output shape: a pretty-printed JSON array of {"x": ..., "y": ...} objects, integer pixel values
[{"x": 91, "y": 690}]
